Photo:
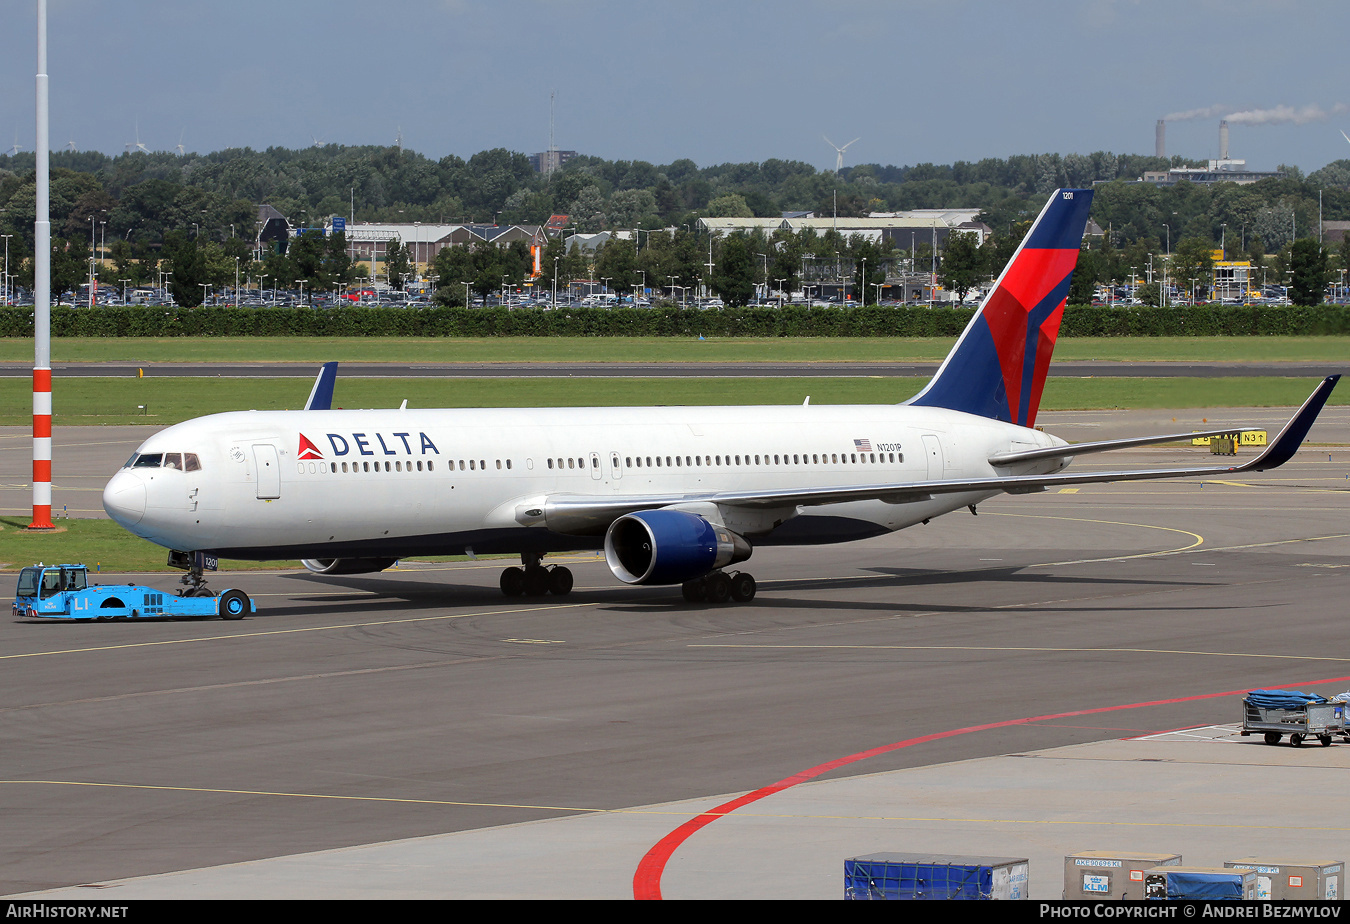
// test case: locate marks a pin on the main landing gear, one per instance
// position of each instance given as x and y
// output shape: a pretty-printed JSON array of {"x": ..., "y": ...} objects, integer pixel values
[
  {"x": 535, "y": 579},
  {"x": 719, "y": 587}
]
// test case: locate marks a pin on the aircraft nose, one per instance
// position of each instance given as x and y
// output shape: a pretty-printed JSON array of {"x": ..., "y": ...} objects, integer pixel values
[{"x": 124, "y": 499}]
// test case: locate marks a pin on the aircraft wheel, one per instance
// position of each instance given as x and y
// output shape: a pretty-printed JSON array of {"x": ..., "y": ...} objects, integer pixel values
[
  {"x": 536, "y": 582},
  {"x": 695, "y": 591},
  {"x": 560, "y": 581},
  {"x": 513, "y": 582},
  {"x": 719, "y": 587},
  {"x": 742, "y": 588},
  {"x": 233, "y": 605}
]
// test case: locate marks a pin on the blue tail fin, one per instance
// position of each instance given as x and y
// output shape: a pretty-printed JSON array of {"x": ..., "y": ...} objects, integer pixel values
[
  {"x": 998, "y": 367},
  {"x": 321, "y": 395}
]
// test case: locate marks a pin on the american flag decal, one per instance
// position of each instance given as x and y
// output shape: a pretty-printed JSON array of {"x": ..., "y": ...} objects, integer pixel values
[{"x": 862, "y": 445}]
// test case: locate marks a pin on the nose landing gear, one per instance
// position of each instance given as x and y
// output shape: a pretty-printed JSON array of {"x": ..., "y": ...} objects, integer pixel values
[{"x": 535, "y": 579}]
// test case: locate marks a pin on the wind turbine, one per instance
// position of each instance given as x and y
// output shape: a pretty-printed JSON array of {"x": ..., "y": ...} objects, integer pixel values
[
  {"x": 1344, "y": 135},
  {"x": 181, "y": 152},
  {"x": 317, "y": 142},
  {"x": 17, "y": 147},
  {"x": 839, "y": 161},
  {"x": 137, "y": 144},
  {"x": 71, "y": 144}
]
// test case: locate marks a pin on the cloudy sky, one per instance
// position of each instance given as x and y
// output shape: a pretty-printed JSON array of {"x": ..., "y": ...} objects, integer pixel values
[{"x": 711, "y": 80}]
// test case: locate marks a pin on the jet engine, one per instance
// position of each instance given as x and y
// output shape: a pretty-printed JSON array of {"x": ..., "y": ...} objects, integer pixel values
[
  {"x": 669, "y": 547},
  {"x": 346, "y": 565}
]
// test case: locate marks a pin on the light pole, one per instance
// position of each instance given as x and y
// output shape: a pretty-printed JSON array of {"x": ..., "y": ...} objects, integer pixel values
[
  {"x": 91, "y": 261},
  {"x": 6, "y": 237}
]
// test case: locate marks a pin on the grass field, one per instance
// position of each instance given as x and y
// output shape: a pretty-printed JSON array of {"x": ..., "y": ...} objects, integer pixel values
[
  {"x": 660, "y": 349},
  {"x": 96, "y": 543},
  {"x": 104, "y": 401}
]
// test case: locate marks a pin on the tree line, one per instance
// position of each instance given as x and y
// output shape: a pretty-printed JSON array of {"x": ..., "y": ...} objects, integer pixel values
[{"x": 146, "y": 213}]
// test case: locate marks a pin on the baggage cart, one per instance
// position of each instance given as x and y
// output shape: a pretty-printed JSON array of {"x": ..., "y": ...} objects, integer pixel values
[{"x": 1310, "y": 720}]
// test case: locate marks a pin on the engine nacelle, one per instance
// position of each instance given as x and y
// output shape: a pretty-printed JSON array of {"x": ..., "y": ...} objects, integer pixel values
[
  {"x": 669, "y": 547},
  {"x": 346, "y": 565}
]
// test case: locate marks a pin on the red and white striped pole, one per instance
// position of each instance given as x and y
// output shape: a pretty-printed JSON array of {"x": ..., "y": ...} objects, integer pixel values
[{"x": 42, "y": 296}]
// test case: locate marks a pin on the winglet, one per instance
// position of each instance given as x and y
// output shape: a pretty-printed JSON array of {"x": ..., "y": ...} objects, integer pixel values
[
  {"x": 1296, "y": 431},
  {"x": 321, "y": 396}
]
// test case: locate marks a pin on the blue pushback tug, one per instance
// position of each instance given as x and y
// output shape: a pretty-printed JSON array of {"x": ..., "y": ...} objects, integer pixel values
[{"x": 64, "y": 592}]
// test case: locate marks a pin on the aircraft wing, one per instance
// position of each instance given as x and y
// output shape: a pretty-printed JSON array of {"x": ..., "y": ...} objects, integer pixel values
[
  {"x": 1082, "y": 449},
  {"x": 584, "y": 514}
]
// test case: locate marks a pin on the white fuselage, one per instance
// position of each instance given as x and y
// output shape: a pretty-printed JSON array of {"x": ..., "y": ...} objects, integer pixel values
[{"x": 354, "y": 483}]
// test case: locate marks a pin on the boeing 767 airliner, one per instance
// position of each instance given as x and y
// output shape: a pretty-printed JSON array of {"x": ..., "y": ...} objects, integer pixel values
[{"x": 673, "y": 495}]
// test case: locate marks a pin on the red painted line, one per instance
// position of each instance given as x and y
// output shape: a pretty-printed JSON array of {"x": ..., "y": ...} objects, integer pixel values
[{"x": 647, "y": 878}]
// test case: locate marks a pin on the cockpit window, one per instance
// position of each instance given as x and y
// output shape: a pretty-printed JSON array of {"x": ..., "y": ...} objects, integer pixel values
[{"x": 182, "y": 461}]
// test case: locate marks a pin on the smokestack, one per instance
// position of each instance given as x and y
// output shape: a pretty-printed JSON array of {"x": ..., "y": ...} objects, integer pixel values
[
  {"x": 1160, "y": 148},
  {"x": 1223, "y": 140}
]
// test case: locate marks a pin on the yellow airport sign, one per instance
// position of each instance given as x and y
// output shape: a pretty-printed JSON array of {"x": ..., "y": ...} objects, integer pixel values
[{"x": 1245, "y": 438}]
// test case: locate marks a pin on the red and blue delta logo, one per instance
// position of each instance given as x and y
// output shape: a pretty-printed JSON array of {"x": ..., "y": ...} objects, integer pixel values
[{"x": 307, "y": 449}]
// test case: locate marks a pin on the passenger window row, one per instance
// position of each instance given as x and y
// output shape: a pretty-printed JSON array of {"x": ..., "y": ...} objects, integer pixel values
[
  {"x": 579, "y": 463},
  {"x": 833, "y": 458},
  {"x": 398, "y": 466}
]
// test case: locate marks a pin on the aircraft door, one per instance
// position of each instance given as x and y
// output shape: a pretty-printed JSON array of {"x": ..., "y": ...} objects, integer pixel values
[
  {"x": 597, "y": 473},
  {"x": 269, "y": 471},
  {"x": 932, "y": 450},
  {"x": 616, "y": 464}
]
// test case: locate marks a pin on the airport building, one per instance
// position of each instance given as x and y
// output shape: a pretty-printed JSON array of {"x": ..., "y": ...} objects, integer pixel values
[
  {"x": 1218, "y": 171},
  {"x": 905, "y": 229}
]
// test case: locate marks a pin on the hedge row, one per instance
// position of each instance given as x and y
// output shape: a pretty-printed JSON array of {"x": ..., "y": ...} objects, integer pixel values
[{"x": 791, "y": 321}]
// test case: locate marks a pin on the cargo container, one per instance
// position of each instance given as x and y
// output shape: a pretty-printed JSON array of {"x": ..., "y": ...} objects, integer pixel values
[
  {"x": 1283, "y": 880},
  {"x": 1199, "y": 883},
  {"x": 1094, "y": 874},
  {"x": 937, "y": 877}
]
